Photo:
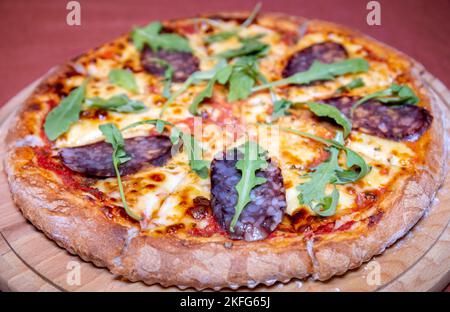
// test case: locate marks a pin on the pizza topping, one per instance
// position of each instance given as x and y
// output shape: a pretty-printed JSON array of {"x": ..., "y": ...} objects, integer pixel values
[
  {"x": 320, "y": 72},
  {"x": 119, "y": 157},
  {"x": 329, "y": 111},
  {"x": 326, "y": 53},
  {"x": 119, "y": 103},
  {"x": 123, "y": 78},
  {"x": 179, "y": 63},
  {"x": 190, "y": 144},
  {"x": 151, "y": 36},
  {"x": 313, "y": 192},
  {"x": 60, "y": 119},
  {"x": 224, "y": 35},
  {"x": 95, "y": 159},
  {"x": 248, "y": 196},
  {"x": 395, "y": 94},
  {"x": 354, "y": 84},
  {"x": 395, "y": 122}
]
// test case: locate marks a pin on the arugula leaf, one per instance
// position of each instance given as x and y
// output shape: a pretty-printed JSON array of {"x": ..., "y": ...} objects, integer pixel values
[
  {"x": 248, "y": 48},
  {"x": 395, "y": 94},
  {"x": 205, "y": 93},
  {"x": 243, "y": 78},
  {"x": 195, "y": 78},
  {"x": 354, "y": 161},
  {"x": 252, "y": 15},
  {"x": 253, "y": 160},
  {"x": 119, "y": 103},
  {"x": 168, "y": 74},
  {"x": 320, "y": 71},
  {"x": 123, "y": 78},
  {"x": 190, "y": 144},
  {"x": 312, "y": 192},
  {"x": 221, "y": 36},
  {"x": 193, "y": 150},
  {"x": 280, "y": 109},
  {"x": 240, "y": 86},
  {"x": 60, "y": 119},
  {"x": 151, "y": 36},
  {"x": 325, "y": 110},
  {"x": 355, "y": 83},
  {"x": 228, "y": 34},
  {"x": 119, "y": 156},
  {"x": 221, "y": 76}
]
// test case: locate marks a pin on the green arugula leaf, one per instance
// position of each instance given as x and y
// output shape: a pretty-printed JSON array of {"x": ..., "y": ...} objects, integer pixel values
[
  {"x": 354, "y": 84},
  {"x": 243, "y": 78},
  {"x": 123, "y": 78},
  {"x": 253, "y": 160},
  {"x": 354, "y": 161},
  {"x": 222, "y": 76},
  {"x": 221, "y": 36},
  {"x": 240, "y": 86},
  {"x": 312, "y": 192},
  {"x": 205, "y": 93},
  {"x": 280, "y": 109},
  {"x": 224, "y": 35},
  {"x": 193, "y": 150},
  {"x": 190, "y": 144},
  {"x": 193, "y": 79},
  {"x": 240, "y": 76},
  {"x": 60, "y": 119},
  {"x": 168, "y": 75},
  {"x": 119, "y": 156},
  {"x": 320, "y": 71},
  {"x": 151, "y": 36},
  {"x": 119, "y": 103},
  {"x": 395, "y": 94},
  {"x": 248, "y": 48},
  {"x": 325, "y": 110},
  {"x": 252, "y": 15}
]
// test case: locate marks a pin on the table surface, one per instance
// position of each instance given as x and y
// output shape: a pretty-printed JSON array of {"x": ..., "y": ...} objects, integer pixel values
[{"x": 36, "y": 36}]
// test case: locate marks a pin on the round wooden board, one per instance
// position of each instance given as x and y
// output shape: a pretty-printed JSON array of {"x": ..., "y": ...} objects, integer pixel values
[{"x": 420, "y": 261}]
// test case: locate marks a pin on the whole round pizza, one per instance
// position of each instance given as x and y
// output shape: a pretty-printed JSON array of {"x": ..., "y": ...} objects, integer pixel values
[{"x": 228, "y": 150}]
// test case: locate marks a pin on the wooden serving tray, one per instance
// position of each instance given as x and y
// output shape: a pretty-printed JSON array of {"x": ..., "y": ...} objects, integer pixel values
[{"x": 29, "y": 261}]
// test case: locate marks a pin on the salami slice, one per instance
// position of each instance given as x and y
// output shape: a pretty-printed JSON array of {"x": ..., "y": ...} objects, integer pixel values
[
  {"x": 96, "y": 159},
  {"x": 395, "y": 122},
  {"x": 326, "y": 52},
  {"x": 183, "y": 63},
  {"x": 265, "y": 210}
]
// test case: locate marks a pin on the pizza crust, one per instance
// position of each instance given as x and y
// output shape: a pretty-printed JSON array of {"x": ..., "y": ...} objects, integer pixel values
[{"x": 77, "y": 224}]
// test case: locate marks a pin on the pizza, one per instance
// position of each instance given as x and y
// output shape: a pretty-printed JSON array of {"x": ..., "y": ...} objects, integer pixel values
[{"x": 228, "y": 150}]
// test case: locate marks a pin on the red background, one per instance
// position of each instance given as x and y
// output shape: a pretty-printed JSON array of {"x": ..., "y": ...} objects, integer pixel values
[{"x": 35, "y": 35}]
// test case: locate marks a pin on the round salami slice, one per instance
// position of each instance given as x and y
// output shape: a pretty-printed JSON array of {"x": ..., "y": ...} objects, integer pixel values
[
  {"x": 326, "y": 52},
  {"x": 265, "y": 210},
  {"x": 395, "y": 122},
  {"x": 183, "y": 63},
  {"x": 96, "y": 159}
]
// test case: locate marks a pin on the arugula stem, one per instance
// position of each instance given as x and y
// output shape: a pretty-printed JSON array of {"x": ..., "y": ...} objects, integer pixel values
[
  {"x": 252, "y": 16},
  {"x": 122, "y": 193}
]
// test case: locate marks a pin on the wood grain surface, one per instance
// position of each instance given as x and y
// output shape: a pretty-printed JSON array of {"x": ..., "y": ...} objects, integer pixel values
[{"x": 420, "y": 261}]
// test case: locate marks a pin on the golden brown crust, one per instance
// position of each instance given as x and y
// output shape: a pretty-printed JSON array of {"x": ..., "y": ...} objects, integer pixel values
[{"x": 71, "y": 219}]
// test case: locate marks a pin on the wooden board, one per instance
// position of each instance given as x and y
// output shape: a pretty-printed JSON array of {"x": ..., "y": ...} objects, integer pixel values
[{"x": 420, "y": 261}]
